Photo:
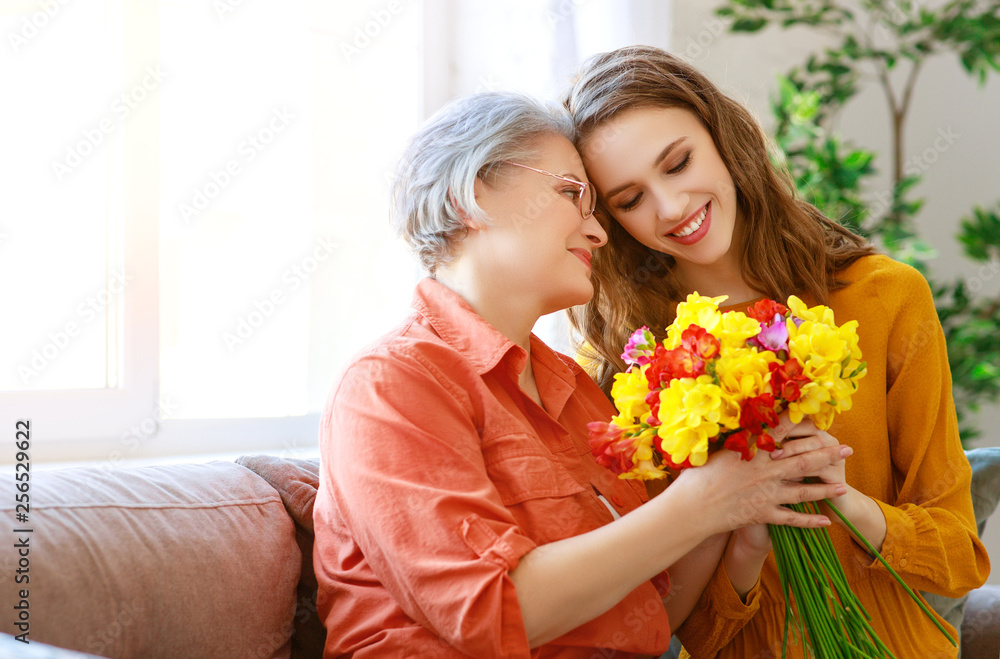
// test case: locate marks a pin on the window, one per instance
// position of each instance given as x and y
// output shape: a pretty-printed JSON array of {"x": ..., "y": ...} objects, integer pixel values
[
  {"x": 195, "y": 235},
  {"x": 200, "y": 233}
]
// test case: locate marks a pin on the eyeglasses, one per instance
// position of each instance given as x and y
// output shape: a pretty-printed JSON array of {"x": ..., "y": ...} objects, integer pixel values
[{"x": 585, "y": 197}]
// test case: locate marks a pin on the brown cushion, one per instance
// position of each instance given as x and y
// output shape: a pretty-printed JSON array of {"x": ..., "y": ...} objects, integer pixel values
[
  {"x": 297, "y": 481},
  {"x": 191, "y": 560}
]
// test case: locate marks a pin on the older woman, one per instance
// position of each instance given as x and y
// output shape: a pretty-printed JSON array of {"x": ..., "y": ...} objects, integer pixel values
[{"x": 460, "y": 512}]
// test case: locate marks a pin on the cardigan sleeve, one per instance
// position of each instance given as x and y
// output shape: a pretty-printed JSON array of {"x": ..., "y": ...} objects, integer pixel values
[
  {"x": 717, "y": 616},
  {"x": 931, "y": 538}
]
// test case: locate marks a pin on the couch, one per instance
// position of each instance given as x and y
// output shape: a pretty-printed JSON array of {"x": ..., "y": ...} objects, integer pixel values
[
  {"x": 186, "y": 560},
  {"x": 197, "y": 560}
]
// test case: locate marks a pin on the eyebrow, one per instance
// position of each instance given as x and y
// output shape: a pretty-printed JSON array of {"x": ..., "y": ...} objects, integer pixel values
[{"x": 656, "y": 163}]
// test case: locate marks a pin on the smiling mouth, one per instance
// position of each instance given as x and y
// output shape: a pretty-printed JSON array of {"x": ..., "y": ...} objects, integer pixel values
[
  {"x": 583, "y": 255},
  {"x": 693, "y": 225}
]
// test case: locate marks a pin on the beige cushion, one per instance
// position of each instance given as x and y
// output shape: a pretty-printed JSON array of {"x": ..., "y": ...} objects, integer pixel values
[{"x": 192, "y": 560}]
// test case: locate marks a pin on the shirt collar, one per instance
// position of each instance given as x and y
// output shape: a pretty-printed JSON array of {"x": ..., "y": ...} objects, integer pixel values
[{"x": 458, "y": 325}]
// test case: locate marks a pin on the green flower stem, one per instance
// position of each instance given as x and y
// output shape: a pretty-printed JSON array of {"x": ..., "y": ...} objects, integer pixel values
[
  {"x": 807, "y": 597},
  {"x": 858, "y": 627},
  {"x": 902, "y": 583},
  {"x": 826, "y": 615}
]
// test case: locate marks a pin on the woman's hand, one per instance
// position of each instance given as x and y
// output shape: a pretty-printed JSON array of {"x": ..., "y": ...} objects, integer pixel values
[
  {"x": 859, "y": 508},
  {"x": 734, "y": 493},
  {"x": 798, "y": 438}
]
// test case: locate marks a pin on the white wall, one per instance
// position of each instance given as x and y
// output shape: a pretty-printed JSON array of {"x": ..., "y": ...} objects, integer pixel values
[{"x": 962, "y": 174}]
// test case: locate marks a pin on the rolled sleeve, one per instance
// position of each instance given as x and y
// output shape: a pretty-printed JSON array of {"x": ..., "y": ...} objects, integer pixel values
[
  {"x": 718, "y": 616},
  {"x": 504, "y": 548}
]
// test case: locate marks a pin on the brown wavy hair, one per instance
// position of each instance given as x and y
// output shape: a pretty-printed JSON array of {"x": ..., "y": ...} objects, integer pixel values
[{"x": 787, "y": 245}]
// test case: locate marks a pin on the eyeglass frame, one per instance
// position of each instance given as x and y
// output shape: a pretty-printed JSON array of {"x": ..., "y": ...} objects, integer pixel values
[{"x": 583, "y": 187}]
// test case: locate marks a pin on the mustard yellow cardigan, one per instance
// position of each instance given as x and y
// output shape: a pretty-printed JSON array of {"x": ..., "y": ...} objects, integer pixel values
[{"x": 907, "y": 457}]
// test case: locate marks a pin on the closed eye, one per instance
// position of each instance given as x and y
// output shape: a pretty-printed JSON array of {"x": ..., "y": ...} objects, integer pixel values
[
  {"x": 682, "y": 165},
  {"x": 631, "y": 202},
  {"x": 571, "y": 191}
]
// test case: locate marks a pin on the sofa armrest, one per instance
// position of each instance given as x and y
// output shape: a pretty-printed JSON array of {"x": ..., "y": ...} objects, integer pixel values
[{"x": 981, "y": 626}]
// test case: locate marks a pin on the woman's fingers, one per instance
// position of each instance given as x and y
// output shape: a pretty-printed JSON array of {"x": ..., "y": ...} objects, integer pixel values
[
  {"x": 797, "y": 446},
  {"x": 808, "y": 464},
  {"x": 788, "y": 517},
  {"x": 786, "y": 429},
  {"x": 803, "y": 492}
]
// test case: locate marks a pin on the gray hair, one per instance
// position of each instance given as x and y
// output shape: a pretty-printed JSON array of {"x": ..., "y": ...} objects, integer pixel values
[{"x": 468, "y": 138}]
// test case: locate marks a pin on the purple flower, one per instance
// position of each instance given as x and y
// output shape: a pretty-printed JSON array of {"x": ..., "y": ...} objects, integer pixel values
[
  {"x": 640, "y": 347},
  {"x": 772, "y": 336}
]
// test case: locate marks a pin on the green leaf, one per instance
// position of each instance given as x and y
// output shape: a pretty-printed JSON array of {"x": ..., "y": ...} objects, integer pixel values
[
  {"x": 985, "y": 371},
  {"x": 748, "y": 24}
]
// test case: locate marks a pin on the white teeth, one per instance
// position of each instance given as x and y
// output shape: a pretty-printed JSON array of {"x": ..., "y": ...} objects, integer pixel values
[{"x": 693, "y": 225}]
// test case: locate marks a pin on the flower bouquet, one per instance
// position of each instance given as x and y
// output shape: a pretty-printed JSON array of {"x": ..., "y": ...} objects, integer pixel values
[{"x": 720, "y": 380}]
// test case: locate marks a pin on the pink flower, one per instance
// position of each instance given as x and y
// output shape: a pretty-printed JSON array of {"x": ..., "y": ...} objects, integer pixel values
[
  {"x": 639, "y": 348},
  {"x": 773, "y": 336}
]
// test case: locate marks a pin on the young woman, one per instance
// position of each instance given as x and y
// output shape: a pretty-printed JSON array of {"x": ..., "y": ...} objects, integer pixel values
[
  {"x": 694, "y": 204},
  {"x": 460, "y": 512}
]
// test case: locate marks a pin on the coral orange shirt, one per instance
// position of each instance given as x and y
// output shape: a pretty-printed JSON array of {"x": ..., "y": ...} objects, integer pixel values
[{"x": 439, "y": 473}]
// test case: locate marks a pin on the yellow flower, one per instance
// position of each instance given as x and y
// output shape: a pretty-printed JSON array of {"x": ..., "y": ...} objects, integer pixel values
[
  {"x": 819, "y": 313},
  {"x": 849, "y": 333},
  {"x": 811, "y": 402},
  {"x": 644, "y": 465},
  {"x": 743, "y": 373},
  {"x": 629, "y": 393},
  {"x": 734, "y": 330},
  {"x": 696, "y": 310},
  {"x": 645, "y": 470},
  {"x": 814, "y": 342},
  {"x": 690, "y": 411}
]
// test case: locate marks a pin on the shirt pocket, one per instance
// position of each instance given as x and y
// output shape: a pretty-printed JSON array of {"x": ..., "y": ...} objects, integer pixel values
[{"x": 522, "y": 469}]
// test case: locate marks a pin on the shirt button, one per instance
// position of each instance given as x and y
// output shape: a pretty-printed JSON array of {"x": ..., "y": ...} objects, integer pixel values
[
  {"x": 902, "y": 562},
  {"x": 617, "y": 500},
  {"x": 888, "y": 558}
]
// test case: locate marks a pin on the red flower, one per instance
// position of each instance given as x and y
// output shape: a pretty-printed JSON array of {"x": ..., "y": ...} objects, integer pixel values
[
  {"x": 697, "y": 340},
  {"x": 608, "y": 448},
  {"x": 765, "y": 442},
  {"x": 667, "y": 365},
  {"x": 787, "y": 379},
  {"x": 757, "y": 414},
  {"x": 653, "y": 400},
  {"x": 764, "y": 310},
  {"x": 740, "y": 442},
  {"x": 743, "y": 442},
  {"x": 676, "y": 466}
]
